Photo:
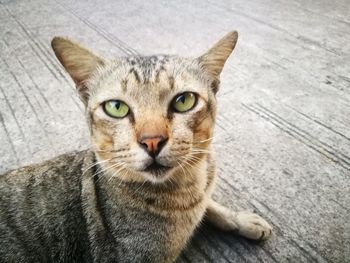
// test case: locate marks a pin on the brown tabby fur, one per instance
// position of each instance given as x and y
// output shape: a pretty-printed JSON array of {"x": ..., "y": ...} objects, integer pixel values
[{"x": 103, "y": 205}]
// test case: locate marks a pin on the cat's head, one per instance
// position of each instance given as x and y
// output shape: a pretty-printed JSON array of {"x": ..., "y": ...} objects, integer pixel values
[{"x": 149, "y": 116}]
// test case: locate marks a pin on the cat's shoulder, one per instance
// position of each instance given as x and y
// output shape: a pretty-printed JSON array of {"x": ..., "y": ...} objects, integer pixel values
[{"x": 64, "y": 165}]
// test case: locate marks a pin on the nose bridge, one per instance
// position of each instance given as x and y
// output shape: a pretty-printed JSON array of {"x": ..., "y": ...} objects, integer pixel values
[{"x": 153, "y": 126}]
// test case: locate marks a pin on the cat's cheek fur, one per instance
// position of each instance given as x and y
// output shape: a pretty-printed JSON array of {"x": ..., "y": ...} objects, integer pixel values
[
  {"x": 101, "y": 139},
  {"x": 203, "y": 131}
]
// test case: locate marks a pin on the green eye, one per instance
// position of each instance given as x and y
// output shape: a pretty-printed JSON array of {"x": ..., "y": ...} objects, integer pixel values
[
  {"x": 184, "y": 102},
  {"x": 116, "y": 108}
]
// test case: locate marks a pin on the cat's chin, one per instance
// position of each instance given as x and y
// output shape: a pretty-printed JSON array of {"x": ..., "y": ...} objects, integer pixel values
[
  {"x": 157, "y": 173},
  {"x": 156, "y": 179}
]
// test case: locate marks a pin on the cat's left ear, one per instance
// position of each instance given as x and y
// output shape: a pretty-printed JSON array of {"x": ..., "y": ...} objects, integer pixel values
[
  {"x": 79, "y": 62},
  {"x": 213, "y": 61}
]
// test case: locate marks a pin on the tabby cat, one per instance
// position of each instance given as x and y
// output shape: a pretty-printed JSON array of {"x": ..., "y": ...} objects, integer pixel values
[{"x": 146, "y": 183}]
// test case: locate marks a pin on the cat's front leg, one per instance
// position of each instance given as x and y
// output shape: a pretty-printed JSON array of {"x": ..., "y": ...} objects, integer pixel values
[{"x": 246, "y": 224}]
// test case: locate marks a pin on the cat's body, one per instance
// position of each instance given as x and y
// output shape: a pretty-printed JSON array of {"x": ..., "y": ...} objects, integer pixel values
[
  {"x": 41, "y": 218},
  {"x": 146, "y": 183},
  {"x": 60, "y": 211}
]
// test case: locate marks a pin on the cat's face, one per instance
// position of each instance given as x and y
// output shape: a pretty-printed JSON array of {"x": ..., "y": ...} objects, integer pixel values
[
  {"x": 149, "y": 117},
  {"x": 150, "y": 114}
]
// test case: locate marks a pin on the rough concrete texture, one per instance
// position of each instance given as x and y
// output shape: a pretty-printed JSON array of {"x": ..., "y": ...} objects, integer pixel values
[{"x": 283, "y": 128}]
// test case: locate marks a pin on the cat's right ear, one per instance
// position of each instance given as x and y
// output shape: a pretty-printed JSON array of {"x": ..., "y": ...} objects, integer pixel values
[{"x": 78, "y": 62}]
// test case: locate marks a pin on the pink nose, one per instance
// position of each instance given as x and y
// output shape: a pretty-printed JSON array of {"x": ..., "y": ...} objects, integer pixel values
[{"x": 153, "y": 145}]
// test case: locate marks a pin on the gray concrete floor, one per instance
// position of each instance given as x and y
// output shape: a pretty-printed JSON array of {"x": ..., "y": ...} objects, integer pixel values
[{"x": 283, "y": 129}]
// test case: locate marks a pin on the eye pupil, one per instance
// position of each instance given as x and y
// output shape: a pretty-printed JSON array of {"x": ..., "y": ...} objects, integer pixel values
[
  {"x": 117, "y": 105},
  {"x": 182, "y": 98}
]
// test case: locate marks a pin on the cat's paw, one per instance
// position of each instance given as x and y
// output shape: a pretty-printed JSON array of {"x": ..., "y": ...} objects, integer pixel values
[{"x": 252, "y": 226}]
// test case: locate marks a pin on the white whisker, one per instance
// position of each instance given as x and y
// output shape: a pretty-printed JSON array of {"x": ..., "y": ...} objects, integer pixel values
[
  {"x": 107, "y": 168},
  {"x": 181, "y": 168},
  {"x": 94, "y": 164},
  {"x": 120, "y": 168},
  {"x": 204, "y": 140}
]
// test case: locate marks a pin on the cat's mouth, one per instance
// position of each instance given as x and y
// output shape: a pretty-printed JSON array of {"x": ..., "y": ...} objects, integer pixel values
[{"x": 156, "y": 169}]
